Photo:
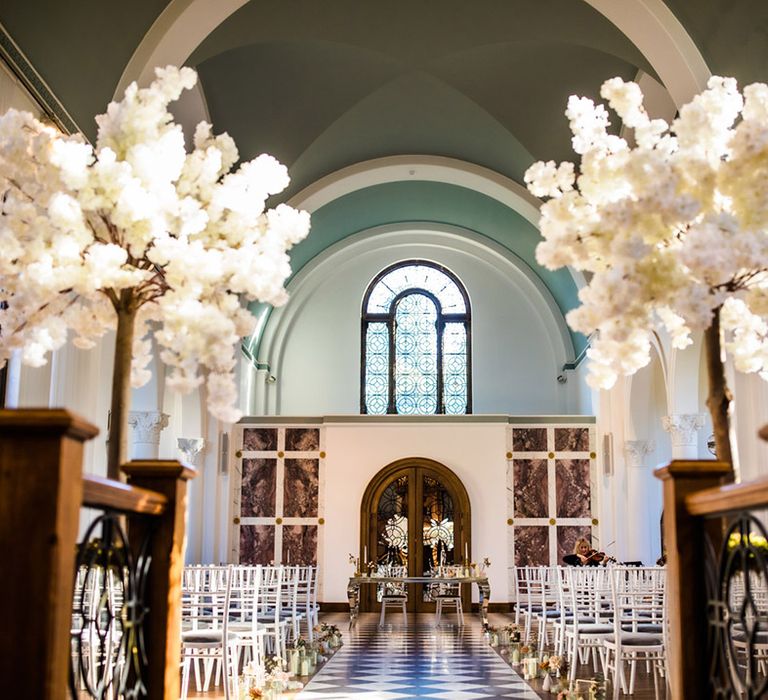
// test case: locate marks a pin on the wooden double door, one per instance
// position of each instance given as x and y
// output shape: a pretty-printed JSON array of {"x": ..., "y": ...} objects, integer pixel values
[{"x": 415, "y": 513}]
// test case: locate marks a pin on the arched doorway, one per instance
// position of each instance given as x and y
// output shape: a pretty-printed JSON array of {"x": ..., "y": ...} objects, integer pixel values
[{"x": 415, "y": 512}]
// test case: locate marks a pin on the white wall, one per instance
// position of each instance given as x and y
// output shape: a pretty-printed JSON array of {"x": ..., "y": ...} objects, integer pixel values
[
  {"x": 355, "y": 453},
  {"x": 519, "y": 341}
]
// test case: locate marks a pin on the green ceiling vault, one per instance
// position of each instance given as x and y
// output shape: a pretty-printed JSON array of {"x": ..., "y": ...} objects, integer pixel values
[{"x": 427, "y": 202}]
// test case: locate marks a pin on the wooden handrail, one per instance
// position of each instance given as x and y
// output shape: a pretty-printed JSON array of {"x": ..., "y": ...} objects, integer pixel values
[
  {"x": 724, "y": 499},
  {"x": 107, "y": 493}
]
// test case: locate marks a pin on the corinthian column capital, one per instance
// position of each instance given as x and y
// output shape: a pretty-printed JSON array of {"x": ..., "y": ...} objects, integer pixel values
[
  {"x": 147, "y": 426},
  {"x": 636, "y": 450},
  {"x": 191, "y": 448},
  {"x": 683, "y": 428}
]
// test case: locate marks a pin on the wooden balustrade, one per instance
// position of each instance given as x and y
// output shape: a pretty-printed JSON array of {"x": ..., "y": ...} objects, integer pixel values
[
  {"x": 695, "y": 503},
  {"x": 42, "y": 489}
]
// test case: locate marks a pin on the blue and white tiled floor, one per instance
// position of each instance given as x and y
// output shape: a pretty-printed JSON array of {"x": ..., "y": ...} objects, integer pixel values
[{"x": 417, "y": 661}]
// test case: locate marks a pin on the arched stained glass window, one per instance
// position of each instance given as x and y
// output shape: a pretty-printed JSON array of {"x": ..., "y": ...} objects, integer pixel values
[{"x": 416, "y": 356}]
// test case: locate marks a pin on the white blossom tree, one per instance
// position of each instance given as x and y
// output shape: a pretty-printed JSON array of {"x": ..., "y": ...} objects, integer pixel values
[
  {"x": 139, "y": 236},
  {"x": 673, "y": 229}
]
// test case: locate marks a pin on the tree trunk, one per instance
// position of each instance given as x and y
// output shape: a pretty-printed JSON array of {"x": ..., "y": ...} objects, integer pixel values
[
  {"x": 719, "y": 399},
  {"x": 117, "y": 444}
]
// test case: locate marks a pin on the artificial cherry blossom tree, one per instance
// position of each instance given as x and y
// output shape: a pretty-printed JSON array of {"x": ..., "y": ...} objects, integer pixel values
[
  {"x": 674, "y": 231},
  {"x": 139, "y": 236}
]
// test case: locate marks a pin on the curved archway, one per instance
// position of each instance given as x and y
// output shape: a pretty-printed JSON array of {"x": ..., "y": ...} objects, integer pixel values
[
  {"x": 415, "y": 512},
  {"x": 648, "y": 24}
]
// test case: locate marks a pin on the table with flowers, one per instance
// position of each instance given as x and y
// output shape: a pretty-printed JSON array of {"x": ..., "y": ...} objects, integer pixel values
[{"x": 355, "y": 582}]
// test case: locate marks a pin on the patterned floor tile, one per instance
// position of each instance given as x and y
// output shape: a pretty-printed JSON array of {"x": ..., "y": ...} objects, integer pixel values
[{"x": 415, "y": 661}]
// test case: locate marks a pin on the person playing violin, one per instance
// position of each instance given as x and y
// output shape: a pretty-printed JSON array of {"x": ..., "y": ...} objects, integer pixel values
[{"x": 588, "y": 556}]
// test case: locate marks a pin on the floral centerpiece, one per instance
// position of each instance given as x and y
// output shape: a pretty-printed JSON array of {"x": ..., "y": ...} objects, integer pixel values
[
  {"x": 672, "y": 231},
  {"x": 139, "y": 236},
  {"x": 593, "y": 689}
]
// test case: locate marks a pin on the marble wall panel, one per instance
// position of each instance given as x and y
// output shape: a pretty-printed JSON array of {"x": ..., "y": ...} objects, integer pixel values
[
  {"x": 530, "y": 488},
  {"x": 302, "y": 439},
  {"x": 529, "y": 439},
  {"x": 301, "y": 486},
  {"x": 300, "y": 544},
  {"x": 531, "y": 545},
  {"x": 257, "y": 544},
  {"x": 572, "y": 488},
  {"x": 571, "y": 439},
  {"x": 257, "y": 491},
  {"x": 567, "y": 536},
  {"x": 260, "y": 439}
]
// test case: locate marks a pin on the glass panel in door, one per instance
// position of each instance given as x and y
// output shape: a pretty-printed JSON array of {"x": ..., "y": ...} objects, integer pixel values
[{"x": 437, "y": 525}]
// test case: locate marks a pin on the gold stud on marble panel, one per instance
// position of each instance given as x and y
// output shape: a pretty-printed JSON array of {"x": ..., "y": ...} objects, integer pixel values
[
  {"x": 552, "y": 521},
  {"x": 278, "y": 521},
  {"x": 322, "y": 455},
  {"x": 509, "y": 455},
  {"x": 510, "y": 521},
  {"x": 281, "y": 454},
  {"x": 239, "y": 454},
  {"x": 236, "y": 521},
  {"x": 593, "y": 455},
  {"x": 595, "y": 521},
  {"x": 321, "y": 521},
  {"x": 551, "y": 455}
]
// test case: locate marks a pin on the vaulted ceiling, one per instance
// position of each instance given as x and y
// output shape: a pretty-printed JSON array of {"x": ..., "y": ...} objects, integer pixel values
[{"x": 325, "y": 85}]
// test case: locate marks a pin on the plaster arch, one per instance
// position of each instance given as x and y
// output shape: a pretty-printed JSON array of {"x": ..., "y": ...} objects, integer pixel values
[
  {"x": 648, "y": 24},
  {"x": 401, "y": 242},
  {"x": 440, "y": 169}
]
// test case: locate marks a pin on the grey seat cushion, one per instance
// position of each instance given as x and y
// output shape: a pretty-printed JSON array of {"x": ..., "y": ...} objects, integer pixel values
[
  {"x": 740, "y": 636},
  {"x": 639, "y": 639},
  {"x": 651, "y": 627},
  {"x": 205, "y": 636},
  {"x": 595, "y": 629}
]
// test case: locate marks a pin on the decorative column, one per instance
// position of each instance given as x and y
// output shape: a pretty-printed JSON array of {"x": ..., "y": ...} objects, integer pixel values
[
  {"x": 642, "y": 505},
  {"x": 683, "y": 428},
  {"x": 191, "y": 449},
  {"x": 147, "y": 426}
]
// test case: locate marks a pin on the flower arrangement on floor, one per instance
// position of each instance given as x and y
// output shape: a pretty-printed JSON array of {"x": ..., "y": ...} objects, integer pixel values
[
  {"x": 592, "y": 689},
  {"x": 672, "y": 231},
  {"x": 275, "y": 680},
  {"x": 554, "y": 670},
  {"x": 139, "y": 236}
]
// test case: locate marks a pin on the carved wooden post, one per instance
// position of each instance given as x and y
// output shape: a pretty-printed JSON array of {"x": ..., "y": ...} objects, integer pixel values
[
  {"x": 684, "y": 538},
  {"x": 41, "y": 465},
  {"x": 162, "y": 626}
]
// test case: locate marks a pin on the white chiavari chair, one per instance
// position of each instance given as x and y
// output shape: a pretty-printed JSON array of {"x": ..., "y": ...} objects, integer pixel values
[
  {"x": 306, "y": 581},
  {"x": 590, "y": 614},
  {"x": 205, "y": 627},
  {"x": 447, "y": 595},
  {"x": 393, "y": 595},
  {"x": 638, "y": 623},
  {"x": 529, "y": 589},
  {"x": 244, "y": 613},
  {"x": 270, "y": 609}
]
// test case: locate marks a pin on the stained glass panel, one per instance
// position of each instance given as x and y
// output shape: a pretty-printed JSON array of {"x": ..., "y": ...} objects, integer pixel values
[
  {"x": 455, "y": 368},
  {"x": 377, "y": 368},
  {"x": 392, "y": 524},
  {"x": 416, "y": 277},
  {"x": 416, "y": 355}
]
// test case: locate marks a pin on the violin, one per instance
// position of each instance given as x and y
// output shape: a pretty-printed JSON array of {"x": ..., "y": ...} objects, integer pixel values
[{"x": 593, "y": 556}]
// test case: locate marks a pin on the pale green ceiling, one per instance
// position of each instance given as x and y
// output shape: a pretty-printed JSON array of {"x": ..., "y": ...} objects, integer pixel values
[
  {"x": 80, "y": 47},
  {"x": 325, "y": 84},
  {"x": 417, "y": 202}
]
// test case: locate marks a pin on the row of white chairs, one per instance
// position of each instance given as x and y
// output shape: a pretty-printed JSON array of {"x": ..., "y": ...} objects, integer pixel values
[
  {"x": 615, "y": 615},
  {"x": 233, "y": 615}
]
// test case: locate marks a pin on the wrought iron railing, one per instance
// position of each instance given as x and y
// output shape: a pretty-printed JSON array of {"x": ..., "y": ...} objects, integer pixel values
[
  {"x": 717, "y": 556},
  {"x": 105, "y": 613},
  {"x": 109, "y": 656}
]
